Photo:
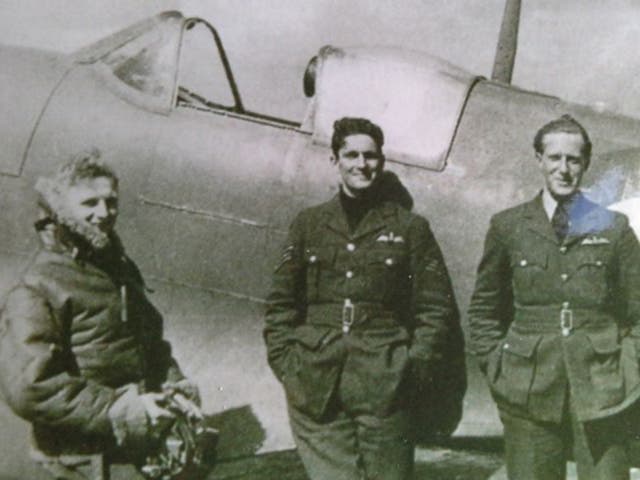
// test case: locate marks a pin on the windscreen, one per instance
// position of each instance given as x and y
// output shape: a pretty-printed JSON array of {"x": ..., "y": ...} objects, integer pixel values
[{"x": 140, "y": 63}]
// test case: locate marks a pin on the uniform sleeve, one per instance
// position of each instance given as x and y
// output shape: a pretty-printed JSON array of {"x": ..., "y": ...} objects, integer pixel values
[
  {"x": 491, "y": 306},
  {"x": 434, "y": 310},
  {"x": 628, "y": 280},
  {"x": 35, "y": 371},
  {"x": 285, "y": 301}
]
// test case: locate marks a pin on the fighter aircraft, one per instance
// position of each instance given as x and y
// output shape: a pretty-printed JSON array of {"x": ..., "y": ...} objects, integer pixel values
[{"x": 209, "y": 186}]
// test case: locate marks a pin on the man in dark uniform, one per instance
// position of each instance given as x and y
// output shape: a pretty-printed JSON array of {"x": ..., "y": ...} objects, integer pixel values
[
  {"x": 555, "y": 320},
  {"x": 360, "y": 308}
]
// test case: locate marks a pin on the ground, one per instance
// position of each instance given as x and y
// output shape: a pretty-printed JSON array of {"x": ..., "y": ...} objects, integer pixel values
[{"x": 459, "y": 459}]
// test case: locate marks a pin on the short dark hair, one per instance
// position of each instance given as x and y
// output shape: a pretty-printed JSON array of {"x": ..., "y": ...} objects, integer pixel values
[
  {"x": 565, "y": 124},
  {"x": 353, "y": 126}
]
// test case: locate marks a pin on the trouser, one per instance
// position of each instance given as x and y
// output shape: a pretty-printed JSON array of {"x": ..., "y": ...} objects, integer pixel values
[
  {"x": 539, "y": 450},
  {"x": 84, "y": 467},
  {"x": 74, "y": 467},
  {"x": 354, "y": 447}
]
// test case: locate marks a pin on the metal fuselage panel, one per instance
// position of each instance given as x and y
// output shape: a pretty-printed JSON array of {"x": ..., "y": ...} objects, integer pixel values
[{"x": 28, "y": 78}]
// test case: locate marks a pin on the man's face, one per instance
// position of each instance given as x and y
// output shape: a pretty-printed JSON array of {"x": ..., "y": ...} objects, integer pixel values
[
  {"x": 91, "y": 204},
  {"x": 359, "y": 162},
  {"x": 562, "y": 163}
]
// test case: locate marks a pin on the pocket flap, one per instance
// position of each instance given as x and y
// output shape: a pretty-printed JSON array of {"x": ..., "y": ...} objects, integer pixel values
[
  {"x": 389, "y": 257},
  {"x": 319, "y": 255},
  {"x": 310, "y": 336},
  {"x": 605, "y": 341},
  {"x": 532, "y": 258},
  {"x": 520, "y": 344},
  {"x": 591, "y": 261}
]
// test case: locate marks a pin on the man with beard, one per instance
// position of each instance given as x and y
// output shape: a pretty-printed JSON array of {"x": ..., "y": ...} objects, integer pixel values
[
  {"x": 360, "y": 308},
  {"x": 555, "y": 320},
  {"x": 81, "y": 350}
]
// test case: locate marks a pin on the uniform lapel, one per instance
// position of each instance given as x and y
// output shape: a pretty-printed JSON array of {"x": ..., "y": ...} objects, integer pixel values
[
  {"x": 376, "y": 219},
  {"x": 586, "y": 219},
  {"x": 335, "y": 218},
  {"x": 537, "y": 221}
]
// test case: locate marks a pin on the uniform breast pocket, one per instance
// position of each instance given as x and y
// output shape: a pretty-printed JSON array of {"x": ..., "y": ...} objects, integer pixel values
[
  {"x": 320, "y": 270},
  {"x": 386, "y": 270},
  {"x": 590, "y": 277},
  {"x": 529, "y": 271}
]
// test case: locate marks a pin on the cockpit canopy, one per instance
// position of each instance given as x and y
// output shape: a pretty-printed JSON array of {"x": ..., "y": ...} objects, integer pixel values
[
  {"x": 145, "y": 62},
  {"x": 415, "y": 98}
]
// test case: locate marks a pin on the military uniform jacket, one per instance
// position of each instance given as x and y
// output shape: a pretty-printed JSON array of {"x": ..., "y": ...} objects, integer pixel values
[
  {"x": 549, "y": 318},
  {"x": 350, "y": 314}
]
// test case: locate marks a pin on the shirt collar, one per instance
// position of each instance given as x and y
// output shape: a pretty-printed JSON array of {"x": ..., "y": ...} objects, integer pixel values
[{"x": 549, "y": 203}]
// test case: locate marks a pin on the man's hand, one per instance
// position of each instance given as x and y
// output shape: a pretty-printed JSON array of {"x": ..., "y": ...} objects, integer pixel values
[
  {"x": 159, "y": 418},
  {"x": 137, "y": 418},
  {"x": 184, "y": 387}
]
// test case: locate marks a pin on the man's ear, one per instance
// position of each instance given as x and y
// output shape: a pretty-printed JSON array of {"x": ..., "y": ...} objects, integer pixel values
[{"x": 539, "y": 158}]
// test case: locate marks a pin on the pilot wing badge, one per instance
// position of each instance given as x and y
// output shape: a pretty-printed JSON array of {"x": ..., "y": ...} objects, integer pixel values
[
  {"x": 390, "y": 238},
  {"x": 594, "y": 240}
]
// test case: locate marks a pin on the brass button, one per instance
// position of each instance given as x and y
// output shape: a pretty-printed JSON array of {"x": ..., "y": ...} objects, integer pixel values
[
  {"x": 389, "y": 261},
  {"x": 563, "y": 249},
  {"x": 313, "y": 258},
  {"x": 599, "y": 263},
  {"x": 349, "y": 274},
  {"x": 506, "y": 346},
  {"x": 564, "y": 277},
  {"x": 523, "y": 263},
  {"x": 565, "y": 304},
  {"x": 351, "y": 247}
]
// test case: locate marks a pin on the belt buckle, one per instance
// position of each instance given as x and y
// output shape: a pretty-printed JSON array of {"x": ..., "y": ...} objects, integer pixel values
[
  {"x": 566, "y": 321},
  {"x": 348, "y": 311}
]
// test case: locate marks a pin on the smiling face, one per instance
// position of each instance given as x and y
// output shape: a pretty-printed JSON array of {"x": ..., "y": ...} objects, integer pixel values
[
  {"x": 562, "y": 163},
  {"x": 359, "y": 162},
  {"x": 91, "y": 208}
]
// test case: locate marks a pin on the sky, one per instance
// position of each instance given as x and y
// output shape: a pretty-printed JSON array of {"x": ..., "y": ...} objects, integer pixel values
[{"x": 580, "y": 50}]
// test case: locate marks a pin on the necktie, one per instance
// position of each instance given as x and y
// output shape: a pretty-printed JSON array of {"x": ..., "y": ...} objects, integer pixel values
[{"x": 560, "y": 221}]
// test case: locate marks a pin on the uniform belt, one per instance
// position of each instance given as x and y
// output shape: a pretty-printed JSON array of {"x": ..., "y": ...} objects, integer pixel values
[
  {"x": 560, "y": 318},
  {"x": 350, "y": 315}
]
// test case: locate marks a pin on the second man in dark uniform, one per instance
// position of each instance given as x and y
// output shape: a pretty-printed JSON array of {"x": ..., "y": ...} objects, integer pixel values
[
  {"x": 360, "y": 308},
  {"x": 555, "y": 320}
]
